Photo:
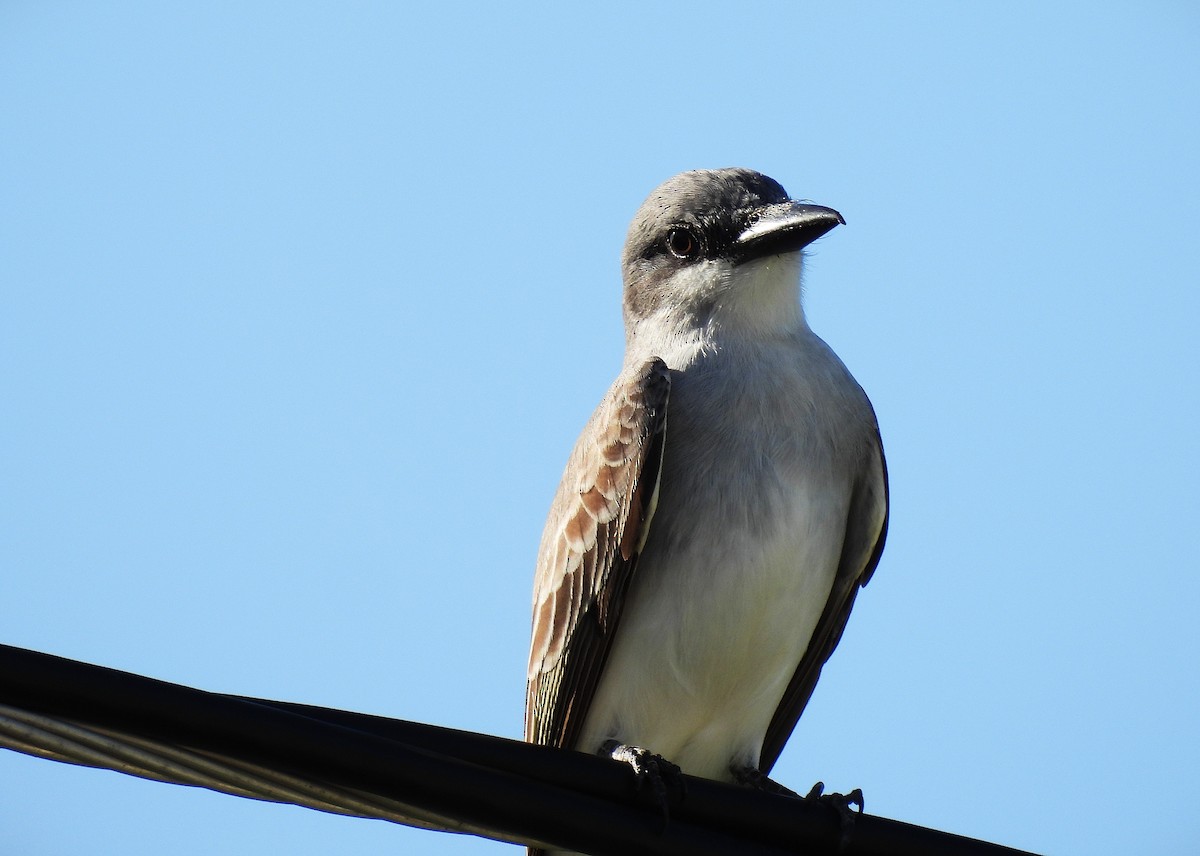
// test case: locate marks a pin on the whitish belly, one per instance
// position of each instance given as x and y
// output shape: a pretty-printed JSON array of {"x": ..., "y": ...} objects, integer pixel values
[{"x": 714, "y": 626}]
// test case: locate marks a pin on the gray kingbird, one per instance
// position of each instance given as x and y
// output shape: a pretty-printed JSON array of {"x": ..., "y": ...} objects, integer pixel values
[{"x": 723, "y": 504}]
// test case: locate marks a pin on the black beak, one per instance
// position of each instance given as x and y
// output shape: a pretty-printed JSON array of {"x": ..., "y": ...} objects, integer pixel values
[{"x": 783, "y": 228}]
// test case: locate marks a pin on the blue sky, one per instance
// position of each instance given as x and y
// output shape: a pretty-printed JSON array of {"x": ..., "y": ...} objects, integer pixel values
[{"x": 303, "y": 305}]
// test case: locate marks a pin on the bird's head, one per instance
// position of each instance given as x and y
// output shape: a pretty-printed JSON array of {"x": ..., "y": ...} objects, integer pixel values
[{"x": 718, "y": 248}]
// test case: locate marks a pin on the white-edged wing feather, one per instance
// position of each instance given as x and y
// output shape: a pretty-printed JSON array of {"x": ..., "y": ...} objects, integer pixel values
[{"x": 589, "y": 551}]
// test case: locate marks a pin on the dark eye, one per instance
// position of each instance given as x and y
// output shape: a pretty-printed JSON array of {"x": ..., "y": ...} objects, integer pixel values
[{"x": 682, "y": 243}]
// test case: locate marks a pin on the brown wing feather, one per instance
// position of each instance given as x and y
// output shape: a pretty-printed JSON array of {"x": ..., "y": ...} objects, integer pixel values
[
  {"x": 589, "y": 551},
  {"x": 866, "y": 530}
]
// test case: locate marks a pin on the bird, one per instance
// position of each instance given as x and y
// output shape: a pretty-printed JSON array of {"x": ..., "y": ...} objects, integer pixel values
[{"x": 722, "y": 506}]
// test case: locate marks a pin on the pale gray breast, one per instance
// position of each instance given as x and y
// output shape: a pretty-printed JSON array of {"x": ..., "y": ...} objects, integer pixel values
[{"x": 747, "y": 424}]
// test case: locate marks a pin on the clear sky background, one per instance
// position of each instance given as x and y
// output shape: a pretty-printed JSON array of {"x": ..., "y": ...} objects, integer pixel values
[{"x": 303, "y": 305}]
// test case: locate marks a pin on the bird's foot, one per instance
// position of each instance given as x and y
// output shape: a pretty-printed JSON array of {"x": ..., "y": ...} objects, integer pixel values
[
  {"x": 752, "y": 777},
  {"x": 650, "y": 769},
  {"x": 839, "y": 802}
]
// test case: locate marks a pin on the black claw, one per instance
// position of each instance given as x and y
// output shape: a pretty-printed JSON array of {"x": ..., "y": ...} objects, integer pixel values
[
  {"x": 754, "y": 778},
  {"x": 855, "y": 797},
  {"x": 840, "y": 803},
  {"x": 648, "y": 768}
]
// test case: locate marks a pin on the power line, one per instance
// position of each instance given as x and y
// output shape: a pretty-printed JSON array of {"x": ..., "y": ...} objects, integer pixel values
[{"x": 411, "y": 773}]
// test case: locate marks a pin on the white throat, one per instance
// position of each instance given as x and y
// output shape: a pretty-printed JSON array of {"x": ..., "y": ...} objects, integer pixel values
[{"x": 752, "y": 303}]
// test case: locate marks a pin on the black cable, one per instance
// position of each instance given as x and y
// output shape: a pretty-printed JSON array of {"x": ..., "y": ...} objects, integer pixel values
[{"x": 499, "y": 788}]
